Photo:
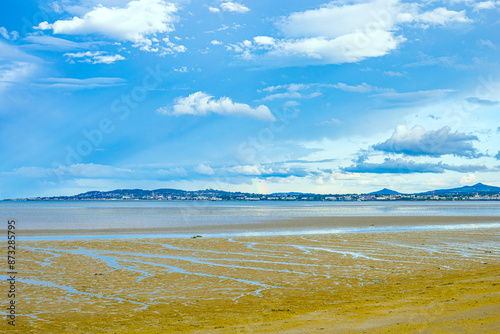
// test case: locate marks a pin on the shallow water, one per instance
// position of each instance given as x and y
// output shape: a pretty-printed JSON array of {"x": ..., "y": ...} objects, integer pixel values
[{"x": 155, "y": 214}]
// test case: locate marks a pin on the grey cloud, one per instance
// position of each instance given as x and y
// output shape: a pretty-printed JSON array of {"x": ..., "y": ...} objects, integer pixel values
[
  {"x": 419, "y": 142},
  {"x": 400, "y": 166},
  {"x": 361, "y": 156}
]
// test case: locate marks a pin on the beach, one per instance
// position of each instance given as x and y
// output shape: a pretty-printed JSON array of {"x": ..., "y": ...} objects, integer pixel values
[{"x": 332, "y": 275}]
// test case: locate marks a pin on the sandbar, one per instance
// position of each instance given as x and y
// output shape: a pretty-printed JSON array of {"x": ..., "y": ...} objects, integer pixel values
[{"x": 444, "y": 281}]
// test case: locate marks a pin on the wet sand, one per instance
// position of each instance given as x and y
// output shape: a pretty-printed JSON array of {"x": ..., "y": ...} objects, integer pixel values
[
  {"x": 441, "y": 281},
  {"x": 277, "y": 225}
]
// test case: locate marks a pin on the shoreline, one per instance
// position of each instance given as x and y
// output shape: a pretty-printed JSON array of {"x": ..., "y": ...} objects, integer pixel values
[{"x": 288, "y": 226}]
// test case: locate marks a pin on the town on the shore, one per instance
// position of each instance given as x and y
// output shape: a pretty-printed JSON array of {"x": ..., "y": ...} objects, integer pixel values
[{"x": 477, "y": 192}]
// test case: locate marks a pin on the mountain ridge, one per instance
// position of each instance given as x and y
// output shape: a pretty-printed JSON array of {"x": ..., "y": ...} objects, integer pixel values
[
  {"x": 384, "y": 191},
  {"x": 479, "y": 188}
]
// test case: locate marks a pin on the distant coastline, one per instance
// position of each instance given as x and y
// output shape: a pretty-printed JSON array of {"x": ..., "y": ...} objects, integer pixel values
[{"x": 477, "y": 192}]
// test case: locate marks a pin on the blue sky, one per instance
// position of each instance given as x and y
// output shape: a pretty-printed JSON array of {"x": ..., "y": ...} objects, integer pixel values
[{"x": 258, "y": 96}]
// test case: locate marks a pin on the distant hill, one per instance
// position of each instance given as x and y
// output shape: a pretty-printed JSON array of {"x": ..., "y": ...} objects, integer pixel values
[
  {"x": 211, "y": 194},
  {"x": 384, "y": 191},
  {"x": 147, "y": 194},
  {"x": 479, "y": 188}
]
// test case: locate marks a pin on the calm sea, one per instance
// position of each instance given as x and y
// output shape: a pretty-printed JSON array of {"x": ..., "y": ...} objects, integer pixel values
[{"x": 153, "y": 214}]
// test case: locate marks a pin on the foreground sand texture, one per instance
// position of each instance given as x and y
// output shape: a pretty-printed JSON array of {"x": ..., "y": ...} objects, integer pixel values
[{"x": 383, "y": 282}]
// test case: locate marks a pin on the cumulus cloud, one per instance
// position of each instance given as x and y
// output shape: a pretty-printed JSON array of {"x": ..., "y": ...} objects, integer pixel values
[
  {"x": 468, "y": 179},
  {"x": 200, "y": 103},
  {"x": 344, "y": 33},
  {"x": 485, "y": 5},
  {"x": 419, "y": 142},
  {"x": 136, "y": 22},
  {"x": 250, "y": 170},
  {"x": 230, "y": 6},
  {"x": 497, "y": 156},
  {"x": 169, "y": 48},
  {"x": 107, "y": 59},
  {"x": 96, "y": 57},
  {"x": 204, "y": 169},
  {"x": 266, "y": 171},
  {"x": 400, "y": 166},
  {"x": 441, "y": 16}
]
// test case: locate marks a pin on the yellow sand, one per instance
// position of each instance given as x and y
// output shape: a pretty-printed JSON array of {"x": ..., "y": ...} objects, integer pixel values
[{"x": 412, "y": 282}]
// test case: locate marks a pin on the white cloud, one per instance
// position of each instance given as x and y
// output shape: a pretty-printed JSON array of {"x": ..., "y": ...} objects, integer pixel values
[
  {"x": 468, "y": 179},
  {"x": 290, "y": 87},
  {"x": 216, "y": 42},
  {"x": 136, "y": 22},
  {"x": 234, "y": 7},
  {"x": 251, "y": 170},
  {"x": 201, "y": 103},
  {"x": 485, "y": 5},
  {"x": 419, "y": 142},
  {"x": 234, "y": 26},
  {"x": 13, "y": 35},
  {"x": 172, "y": 172},
  {"x": 264, "y": 40},
  {"x": 393, "y": 74},
  {"x": 336, "y": 33},
  {"x": 16, "y": 66},
  {"x": 204, "y": 169},
  {"x": 170, "y": 48},
  {"x": 182, "y": 69},
  {"x": 333, "y": 121},
  {"x": 486, "y": 42},
  {"x": 96, "y": 57},
  {"x": 441, "y": 16},
  {"x": 214, "y": 9},
  {"x": 334, "y": 20},
  {"x": 15, "y": 72},
  {"x": 4, "y": 33},
  {"x": 107, "y": 59},
  {"x": 363, "y": 88},
  {"x": 290, "y": 91}
]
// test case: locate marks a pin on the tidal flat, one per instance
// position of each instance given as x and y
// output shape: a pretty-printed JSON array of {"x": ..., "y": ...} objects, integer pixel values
[{"x": 421, "y": 281}]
